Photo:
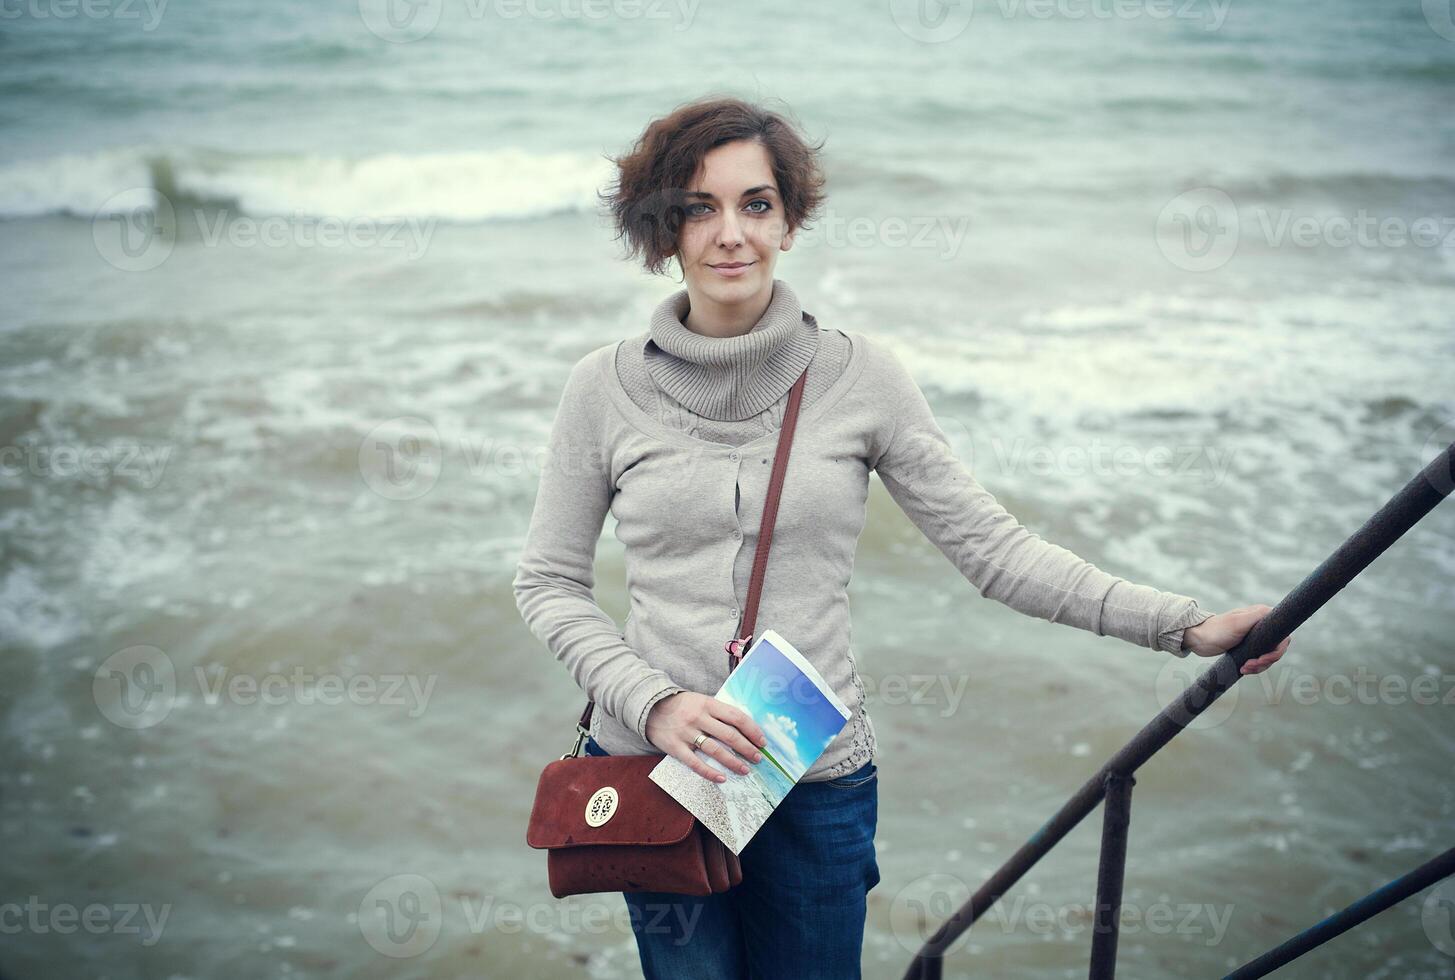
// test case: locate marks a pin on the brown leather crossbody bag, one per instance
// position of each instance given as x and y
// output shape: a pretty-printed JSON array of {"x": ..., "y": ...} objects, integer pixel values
[{"x": 605, "y": 826}]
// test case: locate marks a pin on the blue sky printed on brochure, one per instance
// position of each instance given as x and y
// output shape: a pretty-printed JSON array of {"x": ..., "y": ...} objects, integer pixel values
[{"x": 794, "y": 715}]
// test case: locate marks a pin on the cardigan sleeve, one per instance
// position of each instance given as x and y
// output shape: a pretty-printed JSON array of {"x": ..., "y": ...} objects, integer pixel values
[
  {"x": 1003, "y": 559},
  {"x": 555, "y": 578}
]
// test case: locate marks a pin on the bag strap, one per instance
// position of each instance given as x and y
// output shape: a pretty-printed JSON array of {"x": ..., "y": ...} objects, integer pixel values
[{"x": 743, "y": 635}]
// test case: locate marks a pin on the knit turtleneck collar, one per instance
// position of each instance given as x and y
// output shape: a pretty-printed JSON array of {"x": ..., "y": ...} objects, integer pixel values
[{"x": 731, "y": 378}]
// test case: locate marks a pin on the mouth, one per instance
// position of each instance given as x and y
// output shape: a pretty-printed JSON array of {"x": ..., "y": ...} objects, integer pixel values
[{"x": 731, "y": 268}]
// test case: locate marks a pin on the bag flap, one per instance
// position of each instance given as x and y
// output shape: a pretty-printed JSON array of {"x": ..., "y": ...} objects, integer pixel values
[{"x": 643, "y": 812}]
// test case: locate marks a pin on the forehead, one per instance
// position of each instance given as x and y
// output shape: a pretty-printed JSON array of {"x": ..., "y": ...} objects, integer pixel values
[{"x": 734, "y": 166}]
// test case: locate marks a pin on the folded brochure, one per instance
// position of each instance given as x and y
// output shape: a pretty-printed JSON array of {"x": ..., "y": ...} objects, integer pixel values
[{"x": 799, "y": 715}]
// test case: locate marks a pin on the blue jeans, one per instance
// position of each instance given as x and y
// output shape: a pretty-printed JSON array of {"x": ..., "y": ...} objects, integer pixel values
[{"x": 799, "y": 911}]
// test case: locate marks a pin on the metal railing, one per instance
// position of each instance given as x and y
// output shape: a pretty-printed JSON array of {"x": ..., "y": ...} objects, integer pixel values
[{"x": 1113, "y": 781}]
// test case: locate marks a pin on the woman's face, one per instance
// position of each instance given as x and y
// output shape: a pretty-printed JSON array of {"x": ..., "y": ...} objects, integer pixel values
[{"x": 734, "y": 226}]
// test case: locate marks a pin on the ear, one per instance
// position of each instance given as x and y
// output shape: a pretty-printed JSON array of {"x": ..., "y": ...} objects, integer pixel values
[{"x": 787, "y": 242}]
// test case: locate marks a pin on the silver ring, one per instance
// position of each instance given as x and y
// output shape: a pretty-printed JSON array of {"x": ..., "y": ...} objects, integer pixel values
[{"x": 697, "y": 742}]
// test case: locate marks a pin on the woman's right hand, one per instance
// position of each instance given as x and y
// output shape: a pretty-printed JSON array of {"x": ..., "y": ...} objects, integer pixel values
[{"x": 677, "y": 719}]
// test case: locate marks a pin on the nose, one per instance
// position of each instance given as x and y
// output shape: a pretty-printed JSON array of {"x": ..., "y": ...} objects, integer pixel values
[{"x": 729, "y": 230}]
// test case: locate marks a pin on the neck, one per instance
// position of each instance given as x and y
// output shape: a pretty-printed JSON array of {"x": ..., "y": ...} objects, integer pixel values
[
  {"x": 711, "y": 318},
  {"x": 733, "y": 377}
]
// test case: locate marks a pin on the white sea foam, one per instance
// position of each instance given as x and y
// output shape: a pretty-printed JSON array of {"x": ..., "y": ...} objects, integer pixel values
[{"x": 449, "y": 186}]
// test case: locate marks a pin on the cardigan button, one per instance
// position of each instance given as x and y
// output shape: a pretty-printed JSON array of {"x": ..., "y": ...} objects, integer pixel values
[{"x": 732, "y": 456}]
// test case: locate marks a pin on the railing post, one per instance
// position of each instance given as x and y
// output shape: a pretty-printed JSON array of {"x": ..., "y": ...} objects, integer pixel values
[{"x": 1116, "y": 815}]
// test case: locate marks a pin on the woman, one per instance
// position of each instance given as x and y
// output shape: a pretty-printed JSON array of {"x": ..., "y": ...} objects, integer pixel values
[{"x": 674, "y": 430}]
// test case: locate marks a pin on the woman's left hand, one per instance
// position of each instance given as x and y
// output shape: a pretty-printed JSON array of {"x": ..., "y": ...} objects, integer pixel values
[{"x": 1216, "y": 636}]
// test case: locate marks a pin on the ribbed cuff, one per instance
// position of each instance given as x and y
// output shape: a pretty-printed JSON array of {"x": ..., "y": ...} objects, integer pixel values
[
  {"x": 639, "y": 703},
  {"x": 1170, "y": 639}
]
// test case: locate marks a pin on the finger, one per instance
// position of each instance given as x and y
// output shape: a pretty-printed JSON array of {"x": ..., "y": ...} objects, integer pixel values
[
  {"x": 1259, "y": 664},
  {"x": 732, "y": 738},
  {"x": 684, "y": 754},
  {"x": 1268, "y": 659},
  {"x": 696, "y": 762},
  {"x": 743, "y": 722},
  {"x": 1255, "y": 613},
  {"x": 716, "y": 748}
]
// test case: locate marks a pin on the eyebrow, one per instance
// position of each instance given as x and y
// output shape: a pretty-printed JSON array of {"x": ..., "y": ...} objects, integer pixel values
[{"x": 750, "y": 190}]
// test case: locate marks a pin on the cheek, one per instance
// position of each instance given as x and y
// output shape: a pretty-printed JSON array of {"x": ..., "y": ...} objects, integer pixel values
[
  {"x": 770, "y": 233},
  {"x": 690, "y": 239}
]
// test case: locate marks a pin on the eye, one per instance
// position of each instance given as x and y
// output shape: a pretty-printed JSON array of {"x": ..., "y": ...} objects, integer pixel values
[
  {"x": 767, "y": 205},
  {"x": 693, "y": 213}
]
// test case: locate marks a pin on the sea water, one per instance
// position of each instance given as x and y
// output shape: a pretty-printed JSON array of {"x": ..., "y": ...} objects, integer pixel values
[{"x": 290, "y": 294}]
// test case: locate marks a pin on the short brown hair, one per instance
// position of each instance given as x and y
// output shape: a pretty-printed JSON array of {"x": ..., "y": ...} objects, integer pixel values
[{"x": 647, "y": 201}]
